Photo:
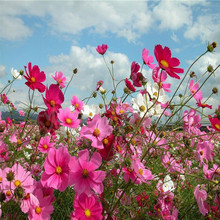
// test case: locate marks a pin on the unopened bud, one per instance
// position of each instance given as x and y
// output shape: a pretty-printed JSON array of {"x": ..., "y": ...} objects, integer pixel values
[
  {"x": 10, "y": 176},
  {"x": 126, "y": 90},
  {"x": 211, "y": 46},
  {"x": 94, "y": 94},
  {"x": 75, "y": 71},
  {"x": 210, "y": 68},
  {"x": 214, "y": 44},
  {"x": 180, "y": 95},
  {"x": 112, "y": 61},
  {"x": 214, "y": 90},
  {"x": 21, "y": 72},
  {"x": 192, "y": 74},
  {"x": 100, "y": 106}
]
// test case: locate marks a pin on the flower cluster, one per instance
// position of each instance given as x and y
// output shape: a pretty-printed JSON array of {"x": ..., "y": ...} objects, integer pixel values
[{"x": 115, "y": 160}]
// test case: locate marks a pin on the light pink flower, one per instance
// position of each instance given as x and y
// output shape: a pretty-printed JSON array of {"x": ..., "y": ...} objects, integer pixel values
[
  {"x": 21, "y": 113},
  {"x": 87, "y": 207},
  {"x": 194, "y": 89},
  {"x": 56, "y": 174},
  {"x": 201, "y": 196},
  {"x": 28, "y": 201},
  {"x": 60, "y": 79},
  {"x": 45, "y": 145},
  {"x": 68, "y": 118},
  {"x": 83, "y": 174},
  {"x": 96, "y": 130},
  {"x": 148, "y": 59},
  {"x": 77, "y": 104}
]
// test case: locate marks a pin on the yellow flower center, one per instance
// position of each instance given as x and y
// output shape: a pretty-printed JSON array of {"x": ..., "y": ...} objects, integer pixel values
[
  {"x": 59, "y": 80},
  {"x": 77, "y": 105},
  {"x": 68, "y": 121},
  {"x": 0, "y": 179},
  {"x": 160, "y": 84},
  {"x": 33, "y": 79},
  {"x": 85, "y": 173},
  {"x": 17, "y": 183},
  {"x": 96, "y": 132},
  {"x": 155, "y": 94},
  {"x": 8, "y": 193},
  {"x": 140, "y": 171},
  {"x": 118, "y": 148},
  {"x": 142, "y": 108},
  {"x": 164, "y": 63},
  {"x": 58, "y": 170},
  {"x": 105, "y": 141},
  {"x": 38, "y": 210},
  {"x": 201, "y": 152},
  {"x": 45, "y": 146},
  {"x": 217, "y": 126},
  {"x": 19, "y": 142},
  {"x": 90, "y": 114},
  {"x": 121, "y": 111},
  {"x": 87, "y": 213},
  {"x": 52, "y": 103}
]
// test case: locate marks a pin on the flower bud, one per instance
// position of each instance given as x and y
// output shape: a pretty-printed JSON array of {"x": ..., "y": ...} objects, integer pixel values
[
  {"x": 112, "y": 62},
  {"x": 180, "y": 95},
  {"x": 19, "y": 192},
  {"x": 21, "y": 72},
  {"x": 210, "y": 68},
  {"x": 10, "y": 176},
  {"x": 100, "y": 106},
  {"x": 214, "y": 90},
  {"x": 94, "y": 94},
  {"x": 214, "y": 44},
  {"x": 192, "y": 74},
  {"x": 211, "y": 46},
  {"x": 126, "y": 90},
  {"x": 75, "y": 71}
]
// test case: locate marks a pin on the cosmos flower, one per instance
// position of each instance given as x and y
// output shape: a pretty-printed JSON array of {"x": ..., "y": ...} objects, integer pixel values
[{"x": 101, "y": 49}]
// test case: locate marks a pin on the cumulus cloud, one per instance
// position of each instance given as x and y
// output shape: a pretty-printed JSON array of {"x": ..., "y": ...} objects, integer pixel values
[{"x": 2, "y": 71}]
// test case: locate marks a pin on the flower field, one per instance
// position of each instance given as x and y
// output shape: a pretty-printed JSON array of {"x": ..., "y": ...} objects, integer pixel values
[{"x": 116, "y": 159}]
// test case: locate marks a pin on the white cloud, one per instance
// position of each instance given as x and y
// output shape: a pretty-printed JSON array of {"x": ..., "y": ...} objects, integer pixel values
[
  {"x": 2, "y": 71},
  {"x": 206, "y": 27},
  {"x": 91, "y": 68},
  {"x": 172, "y": 15}
]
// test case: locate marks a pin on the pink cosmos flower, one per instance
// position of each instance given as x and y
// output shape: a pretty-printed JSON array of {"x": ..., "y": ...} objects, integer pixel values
[
  {"x": 22, "y": 178},
  {"x": 48, "y": 122},
  {"x": 148, "y": 59},
  {"x": 53, "y": 98},
  {"x": 45, "y": 145},
  {"x": 99, "y": 84},
  {"x": 28, "y": 201},
  {"x": 34, "y": 78},
  {"x": 201, "y": 196},
  {"x": 4, "y": 98},
  {"x": 101, "y": 49},
  {"x": 68, "y": 118},
  {"x": 203, "y": 105},
  {"x": 43, "y": 209},
  {"x": 136, "y": 77},
  {"x": 142, "y": 173},
  {"x": 129, "y": 85},
  {"x": 83, "y": 174},
  {"x": 56, "y": 167},
  {"x": 191, "y": 121},
  {"x": 21, "y": 113},
  {"x": 194, "y": 89},
  {"x": 211, "y": 173},
  {"x": 159, "y": 78},
  {"x": 96, "y": 130},
  {"x": 60, "y": 79},
  {"x": 166, "y": 62},
  {"x": 77, "y": 104},
  {"x": 87, "y": 207},
  {"x": 215, "y": 123}
]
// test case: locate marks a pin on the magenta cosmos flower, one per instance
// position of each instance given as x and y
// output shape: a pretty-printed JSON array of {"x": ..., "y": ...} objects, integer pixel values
[
  {"x": 96, "y": 130},
  {"x": 53, "y": 98},
  {"x": 35, "y": 77},
  {"x": 195, "y": 92},
  {"x": 166, "y": 62},
  {"x": 215, "y": 122},
  {"x": 60, "y": 79},
  {"x": 68, "y": 118},
  {"x": 87, "y": 207},
  {"x": 148, "y": 59},
  {"x": 83, "y": 174},
  {"x": 101, "y": 49},
  {"x": 45, "y": 145},
  {"x": 56, "y": 174}
]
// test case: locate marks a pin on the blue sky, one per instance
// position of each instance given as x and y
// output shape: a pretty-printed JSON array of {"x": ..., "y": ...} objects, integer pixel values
[{"x": 62, "y": 35}]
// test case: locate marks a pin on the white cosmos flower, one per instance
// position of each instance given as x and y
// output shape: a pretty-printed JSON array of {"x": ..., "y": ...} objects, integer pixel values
[
  {"x": 156, "y": 93},
  {"x": 15, "y": 74},
  {"x": 90, "y": 110},
  {"x": 168, "y": 184}
]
